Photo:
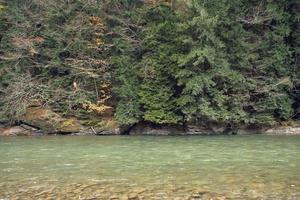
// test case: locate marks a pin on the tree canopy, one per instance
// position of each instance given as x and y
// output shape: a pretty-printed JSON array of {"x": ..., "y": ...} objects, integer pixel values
[{"x": 234, "y": 63}]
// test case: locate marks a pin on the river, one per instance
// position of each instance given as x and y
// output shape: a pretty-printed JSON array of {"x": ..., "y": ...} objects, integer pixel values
[{"x": 146, "y": 167}]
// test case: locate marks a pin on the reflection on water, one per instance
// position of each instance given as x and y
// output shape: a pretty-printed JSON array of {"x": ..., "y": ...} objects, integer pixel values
[{"x": 238, "y": 167}]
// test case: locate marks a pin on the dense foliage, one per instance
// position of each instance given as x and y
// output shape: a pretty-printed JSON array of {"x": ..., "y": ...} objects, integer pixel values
[
  {"x": 51, "y": 51},
  {"x": 234, "y": 63}
]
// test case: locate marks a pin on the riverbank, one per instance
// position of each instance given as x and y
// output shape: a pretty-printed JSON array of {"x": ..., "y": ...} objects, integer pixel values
[
  {"x": 24, "y": 129},
  {"x": 38, "y": 121}
]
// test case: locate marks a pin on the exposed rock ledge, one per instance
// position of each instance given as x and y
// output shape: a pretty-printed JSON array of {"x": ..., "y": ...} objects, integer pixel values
[
  {"x": 43, "y": 121},
  {"x": 150, "y": 129},
  {"x": 283, "y": 131},
  {"x": 17, "y": 131},
  {"x": 145, "y": 129},
  {"x": 20, "y": 130}
]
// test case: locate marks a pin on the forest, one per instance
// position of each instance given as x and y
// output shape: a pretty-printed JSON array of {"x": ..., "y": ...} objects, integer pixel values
[{"x": 173, "y": 62}]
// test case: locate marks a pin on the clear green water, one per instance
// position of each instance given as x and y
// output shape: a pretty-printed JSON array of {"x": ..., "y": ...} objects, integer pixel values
[{"x": 122, "y": 167}]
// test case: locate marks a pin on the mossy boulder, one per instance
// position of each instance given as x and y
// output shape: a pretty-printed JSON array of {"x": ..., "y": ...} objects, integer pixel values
[
  {"x": 102, "y": 126},
  {"x": 51, "y": 122},
  {"x": 70, "y": 125}
]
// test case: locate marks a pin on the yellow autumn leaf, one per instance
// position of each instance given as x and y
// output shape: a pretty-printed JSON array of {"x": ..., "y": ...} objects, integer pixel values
[
  {"x": 96, "y": 21},
  {"x": 99, "y": 109},
  {"x": 32, "y": 51},
  {"x": 98, "y": 42}
]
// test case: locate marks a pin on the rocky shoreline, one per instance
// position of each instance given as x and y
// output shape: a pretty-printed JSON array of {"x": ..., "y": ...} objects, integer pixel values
[
  {"x": 39, "y": 121},
  {"x": 25, "y": 129}
]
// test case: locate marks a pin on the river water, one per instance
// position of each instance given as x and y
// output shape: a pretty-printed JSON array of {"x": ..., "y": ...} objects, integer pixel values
[{"x": 145, "y": 167}]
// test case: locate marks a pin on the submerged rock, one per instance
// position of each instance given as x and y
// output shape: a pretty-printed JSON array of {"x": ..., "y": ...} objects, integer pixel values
[
  {"x": 114, "y": 197},
  {"x": 198, "y": 194},
  {"x": 133, "y": 196}
]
